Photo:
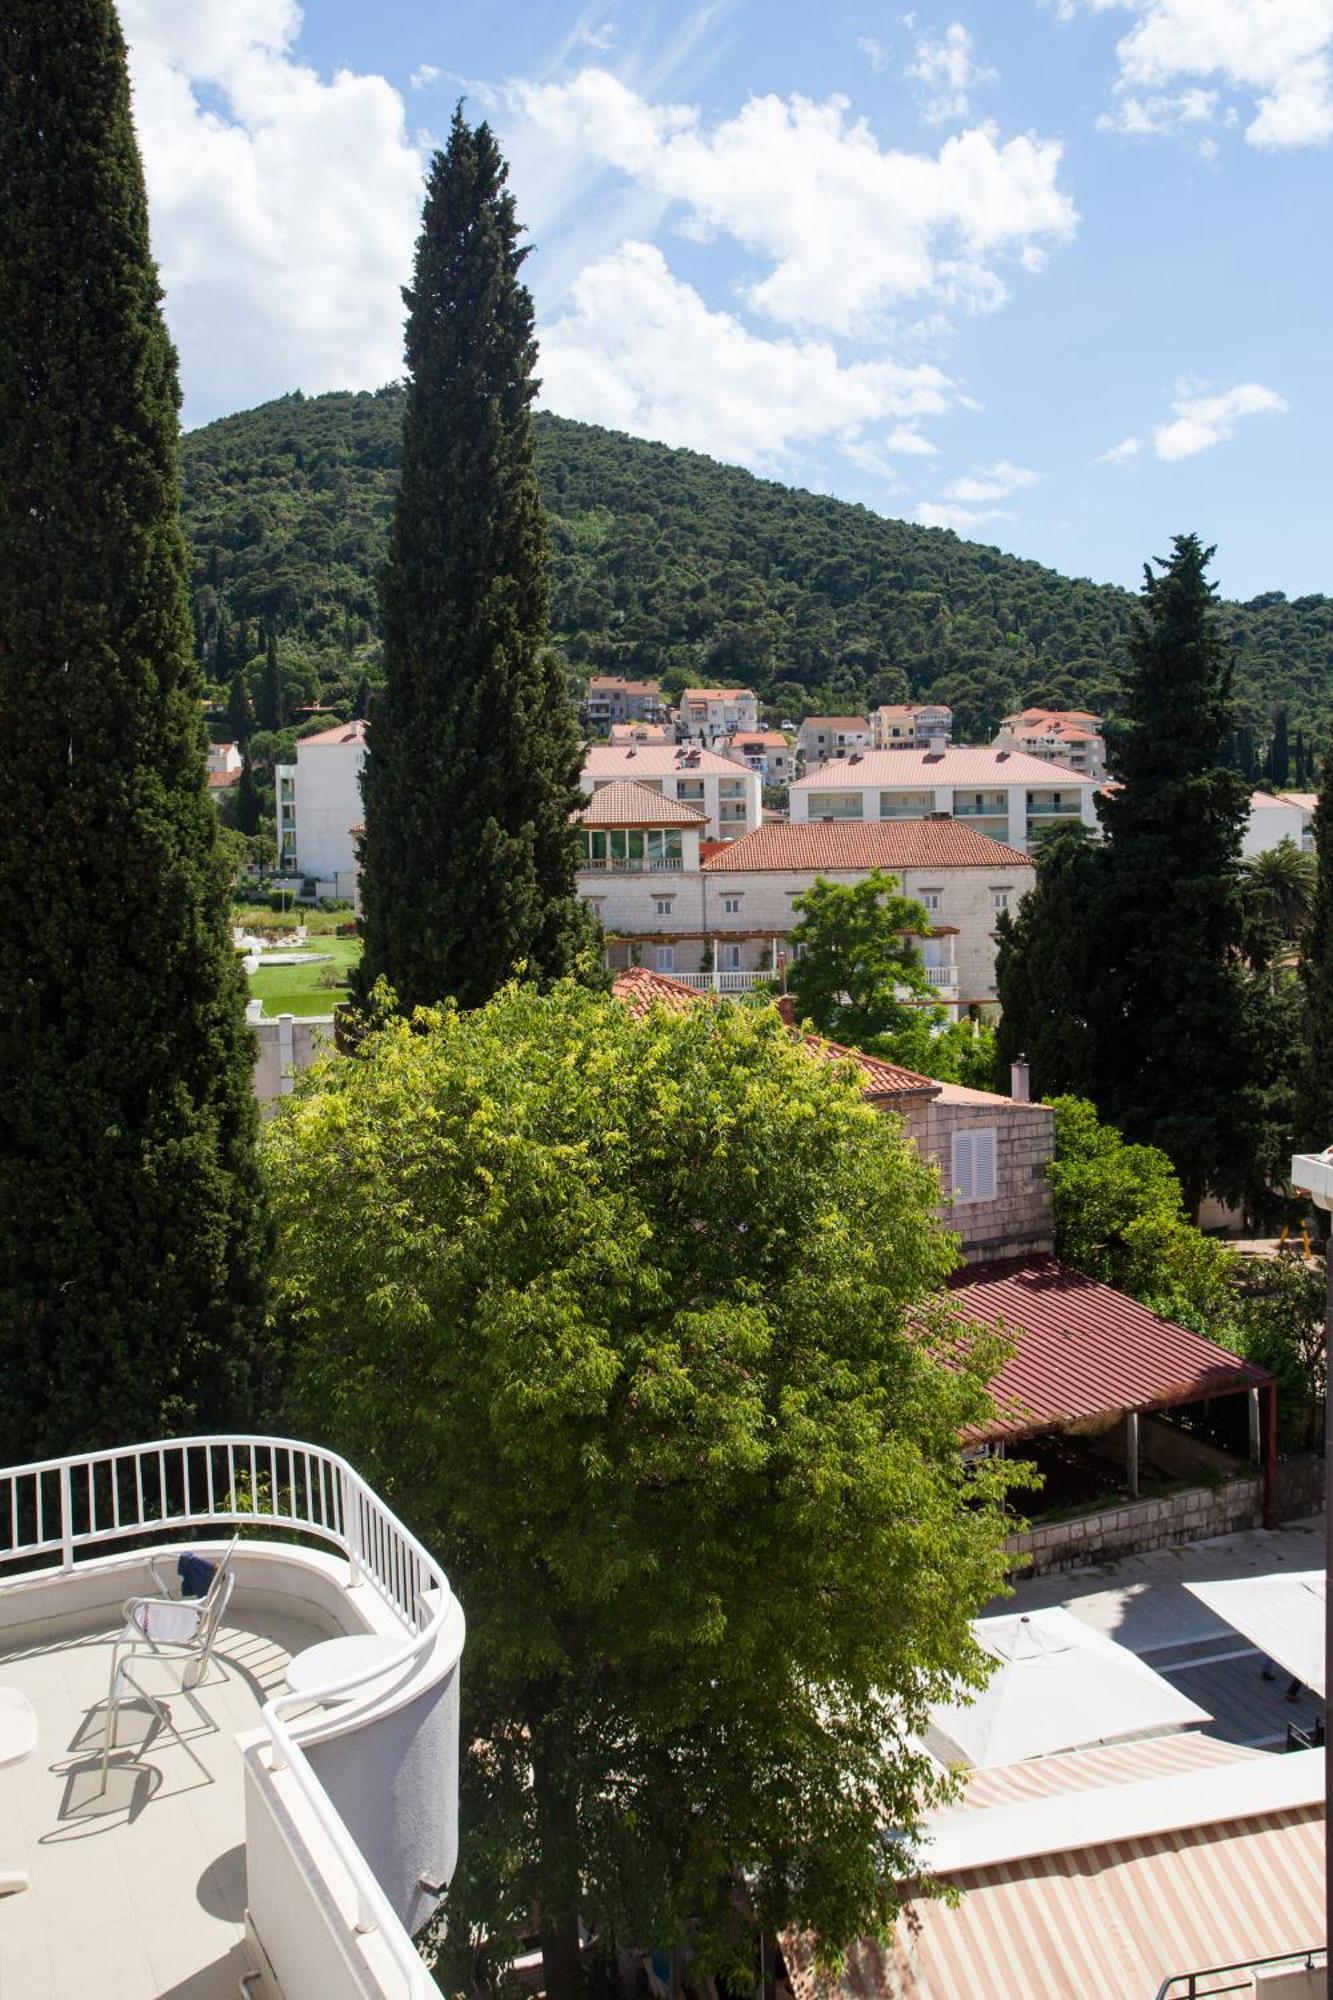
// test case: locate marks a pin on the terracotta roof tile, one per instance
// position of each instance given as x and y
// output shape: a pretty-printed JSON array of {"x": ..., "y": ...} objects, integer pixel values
[
  {"x": 901, "y": 770},
  {"x": 853, "y": 844},
  {"x": 342, "y": 732},
  {"x": 656, "y": 760},
  {"x": 625, "y": 804}
]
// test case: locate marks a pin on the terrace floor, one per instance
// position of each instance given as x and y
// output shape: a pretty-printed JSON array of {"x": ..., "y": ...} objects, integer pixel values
[{"x": 137, "y": 1893}]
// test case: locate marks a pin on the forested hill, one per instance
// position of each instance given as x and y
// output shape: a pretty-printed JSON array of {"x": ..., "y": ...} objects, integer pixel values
[{"x": 664, "y": 559}]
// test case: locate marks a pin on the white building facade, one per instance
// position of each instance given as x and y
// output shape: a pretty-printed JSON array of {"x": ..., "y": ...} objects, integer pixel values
[
  {"x": 705, "y": 714},
  {"x": 318, "y": 804},
  {"x": 1068, "y": 736},
  {"x": 1002, "y": 793},
  {"x": 1275, "y": 817},
  {"x": 910, "y": 725},
  {"x": 766, "y": 751},
  {"x": 728, "y": 794},
  {"x": 822, "y": 736}
]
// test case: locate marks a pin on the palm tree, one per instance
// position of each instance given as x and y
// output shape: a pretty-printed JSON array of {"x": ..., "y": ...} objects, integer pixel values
[{"x": 1279, "y": 887}]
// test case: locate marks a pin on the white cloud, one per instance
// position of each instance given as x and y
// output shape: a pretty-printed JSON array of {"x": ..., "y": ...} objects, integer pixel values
[
  {"x": 991, "y": 482},
  {"x": 422, "y": 78},
  {"x": 1277, "y": 55},
  {"x": 1128, "y": 447},
  {"x": 944, "y": 71},
  {"x": 641, "y": 351},
  {"x": 875, "y": 53},
  {"x": 938, "y": 514},
  {"x": 848, "y": 229},
  {"x": 284, "y": 206},
  {"x": 1200, "y": 421}
]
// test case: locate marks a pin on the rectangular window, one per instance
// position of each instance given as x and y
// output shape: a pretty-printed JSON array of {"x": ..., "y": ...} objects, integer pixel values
[
  {"x": 663, "y": 906},
  {"x": 835, "y": 805},
  {"x": 974, "y": 1165},
  {"x": 666, "y": 958},
  {"x": 731, "y": 906},
  {"x": 691, "y": 790},
  {"x": 931, "y": 898},
  {"x": 729, "y": 958},
  {"x": 999, "y": 899}
]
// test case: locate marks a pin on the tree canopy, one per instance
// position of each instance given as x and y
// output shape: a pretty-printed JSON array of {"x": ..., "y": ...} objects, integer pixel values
[
  {"x": 640, "y": 1323},
  {"x": 855, "y": 955},
  {"x": 131, "y": 1231},
  {"x": 664, "y": 562}
]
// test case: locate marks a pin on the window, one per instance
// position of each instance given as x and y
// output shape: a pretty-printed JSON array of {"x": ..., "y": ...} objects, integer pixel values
[
  {"x": 974, "y": 1165},
  {"x": 731, "y": 906},
  {"x": 691, "y": 790},
  {"x": 663, "y": 906},
  {"x": 835, "y": 805},
  {"x": 999, "y": 898},
  {"x": 931, "y": 898},
  {"x": 666, "y": 958},
  {"x": 729, "y": 958}
]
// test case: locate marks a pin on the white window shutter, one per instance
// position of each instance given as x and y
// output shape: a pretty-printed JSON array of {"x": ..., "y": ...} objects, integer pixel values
[
  {"x": 962, "y": 1165},
  {"x": 983, "y": 1165}
]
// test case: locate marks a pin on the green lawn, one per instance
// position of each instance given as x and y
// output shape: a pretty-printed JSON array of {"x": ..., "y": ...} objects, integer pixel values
[{"x": 313, "y": 988}]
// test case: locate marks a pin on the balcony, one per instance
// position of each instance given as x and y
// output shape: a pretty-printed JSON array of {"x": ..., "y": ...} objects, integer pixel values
[
  {"x": 1053, "y": 808},
  {"x": 722, "y": 982},
  {"x": 943, "y": 976},
  {"x": 614, "y": 865},
  {"x": 243, "y": 1837}
]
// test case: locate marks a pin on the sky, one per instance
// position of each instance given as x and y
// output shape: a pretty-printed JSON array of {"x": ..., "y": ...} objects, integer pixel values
[{"x": 1052, "y": 273}]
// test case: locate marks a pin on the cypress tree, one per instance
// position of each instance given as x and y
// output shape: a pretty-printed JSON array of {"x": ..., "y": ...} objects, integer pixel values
[
  {"x": 1279, "y": 752},
  {"x": 271, "y": 708},
  {"x": 469, "y": 856},
  {"x": 240, "y": 708},
  {"x": 131, "y": 1228},
  {"x": 1316, "y": 1095},
  {"x": 1182, "y": 1062},
  {"x": 1049, "y": 969},
  {"x": 247, "y": 798}
]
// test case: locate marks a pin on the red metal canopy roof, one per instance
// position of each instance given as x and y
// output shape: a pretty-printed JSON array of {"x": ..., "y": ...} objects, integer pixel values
[{"x": 1083, "y": 1351}]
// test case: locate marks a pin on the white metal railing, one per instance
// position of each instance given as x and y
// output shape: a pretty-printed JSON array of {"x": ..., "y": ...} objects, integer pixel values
[
  {"x": 942, "y": 975},
  {"x": 616, "y": 866},
  {"x": 64, "y": 1506},
  {"x": 721, "y": 982}
]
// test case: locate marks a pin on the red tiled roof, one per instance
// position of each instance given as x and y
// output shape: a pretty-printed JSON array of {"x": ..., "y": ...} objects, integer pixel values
[
  {"x": 964, "y": 765},
  {"x": 1084, "y": 1351},
  {"x": 719, "y": 694},
  {"x": 638, "y": 989},
  {"x": 626, "y": 804},
  {"x": 618, "y": 681},
  {"x": 218, "y": 781},
  {"x": 772, "y": 739},
  {"x": 837, "y": 722},
  {"x": 852, "y": 844},
  {"x": 342, "y": 732},
  {"x": 657, "y": 760}
]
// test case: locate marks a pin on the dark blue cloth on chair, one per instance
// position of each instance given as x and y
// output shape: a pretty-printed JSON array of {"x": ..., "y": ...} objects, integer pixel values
[{"x": 196, "y": 1574}]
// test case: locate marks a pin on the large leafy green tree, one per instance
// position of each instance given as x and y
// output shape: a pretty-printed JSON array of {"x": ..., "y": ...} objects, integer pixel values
[
  {"x": 856, "y": 957},
  {"x": 131, "y": 1234},
  {"x": 1186, "y": 1055},
  {"x": 469, "y": 854},
  {"x": 640, "y": 1323}
]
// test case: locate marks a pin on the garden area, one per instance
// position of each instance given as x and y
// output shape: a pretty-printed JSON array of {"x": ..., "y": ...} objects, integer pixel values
[{"x": 314, "y": 984}]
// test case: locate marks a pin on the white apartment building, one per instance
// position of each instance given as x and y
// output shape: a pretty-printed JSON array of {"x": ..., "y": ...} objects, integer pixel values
[
  {"x": 823, "y": 736},
  {"x": 705, "y": 714},
  {"x": 728, "y": 794},
  {"x": 1067, "y": 736},
  {"x": 910, "y": 725},
  {"x": 766, "y": 751},
  {"x": 318, "y": 804},
  {"x": 1278, "y": 816},
  {"x": 1003, "y": 793},
  {"x": 727, "y": 923},
  {"x": 224, "y": 758}
]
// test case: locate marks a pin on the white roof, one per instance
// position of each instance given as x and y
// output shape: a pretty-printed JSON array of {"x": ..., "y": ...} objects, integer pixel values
[
  {"x": 1058, "y": 1685},
  {"x": 1282, "y": 1614},
  {"x": 659, "y": 760},
  {"x": 901, "y": 770}
]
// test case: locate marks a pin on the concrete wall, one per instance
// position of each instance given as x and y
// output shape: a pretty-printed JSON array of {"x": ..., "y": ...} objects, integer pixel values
[
  {"x": 1019, "y": 1221},
  {"x": 941, "y": 798},
  {"x": 1270, "y": 824},
  {"x": 328, "y": 806},
  {"x": 291, "y": 1042}
]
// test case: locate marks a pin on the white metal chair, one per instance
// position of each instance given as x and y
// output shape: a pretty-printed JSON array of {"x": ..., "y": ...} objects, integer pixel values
[{"x": 178, "y": 1627}]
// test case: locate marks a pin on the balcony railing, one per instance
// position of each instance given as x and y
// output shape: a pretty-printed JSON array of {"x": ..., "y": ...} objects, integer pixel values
[
  {"x": 1039, "y": 806},
  {"x": 942, "y": 975},
  {"x": 66, "y": 1507},
  {"x": 610, "y": 864},
  {"x": 721, "y": 982}
]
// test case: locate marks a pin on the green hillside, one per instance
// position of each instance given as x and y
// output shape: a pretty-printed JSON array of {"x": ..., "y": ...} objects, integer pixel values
[{"x": 665, "y": 561}]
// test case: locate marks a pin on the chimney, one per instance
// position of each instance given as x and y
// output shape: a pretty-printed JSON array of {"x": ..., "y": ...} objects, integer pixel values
[
  {"x": 1020, "y": 1081},
  {"x": 786, "y": 1007},
  {"x": 937, "y": 746}
]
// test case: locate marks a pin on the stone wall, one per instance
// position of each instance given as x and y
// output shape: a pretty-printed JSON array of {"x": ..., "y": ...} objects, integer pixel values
[
  {"x": 1195, "y": 1515},
  {"x": 289, "y": 1043},
  {"x": 1020, "y": 1221}
]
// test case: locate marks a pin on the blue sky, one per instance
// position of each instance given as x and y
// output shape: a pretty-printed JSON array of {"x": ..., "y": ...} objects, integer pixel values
[{"x": 1053, "y": 272}]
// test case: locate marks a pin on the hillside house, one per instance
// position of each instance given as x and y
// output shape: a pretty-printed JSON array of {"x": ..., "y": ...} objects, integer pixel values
[
  {"x": 1070, "y": 737},
  {"x": 611, "y": 698},
  {"x": 822, "y": 736},
  {"x": 728, "y": 793},
  {"x": 318, "y": 804},
  {"x": 766, "y": 751},
  {"x": 911, "y": 725},
  {"x": 1003, "y": 793},
  {"x": 707, "y": 714}
]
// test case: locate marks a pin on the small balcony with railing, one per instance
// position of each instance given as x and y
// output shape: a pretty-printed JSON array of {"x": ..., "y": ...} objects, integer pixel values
[{"x": 252, "y": 1790}]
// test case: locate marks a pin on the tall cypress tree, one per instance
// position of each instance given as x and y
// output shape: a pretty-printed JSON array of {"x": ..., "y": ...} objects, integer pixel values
[
  {"x": 247, "y": 798},
  {"x": 271, "y": 708},
  {"x": 1181, "y": 1057},
  {"x": 1316, "y": 1096},
  {"x": 1049, "y": 969},
  {"x": 1279, "y": 752},
  {"x": 469, "y": 856},
  {"x": 131, "y": 1229}
]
